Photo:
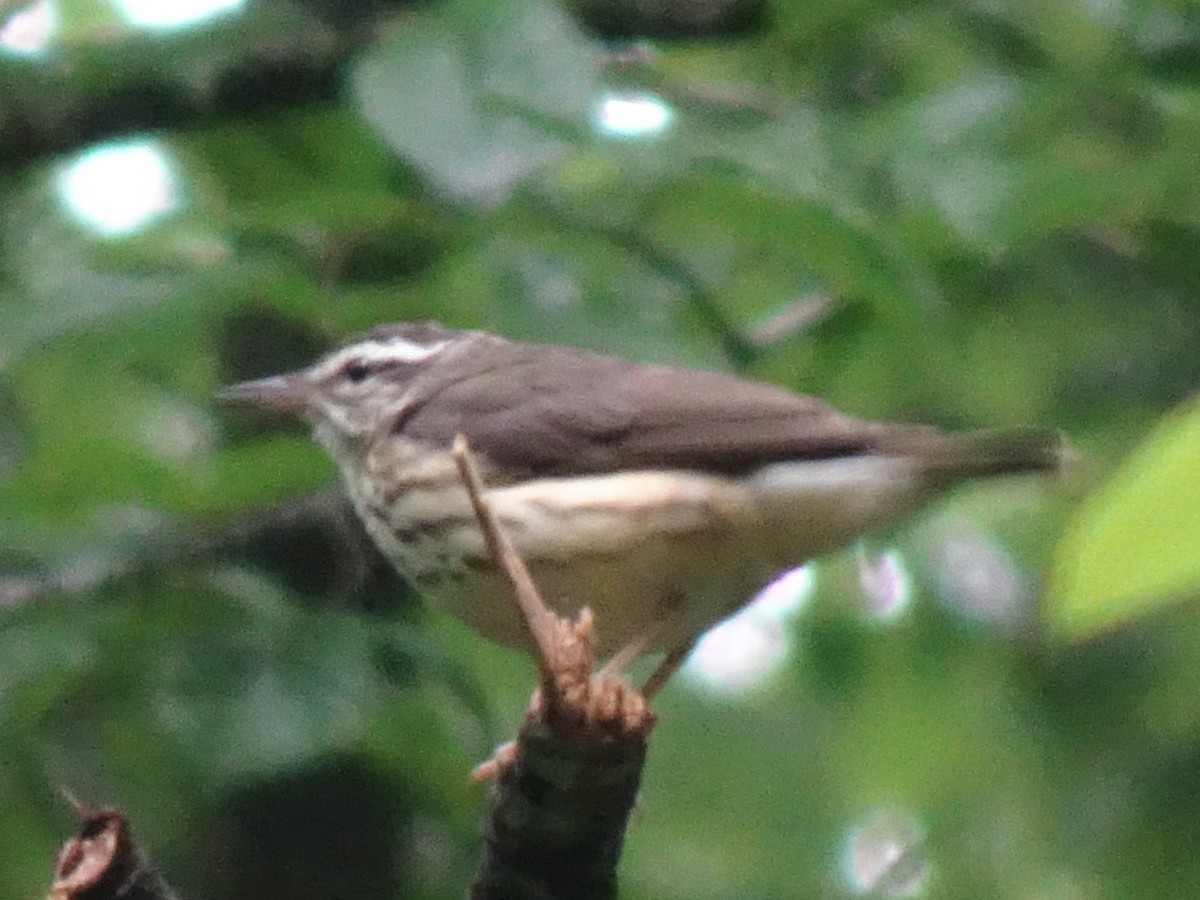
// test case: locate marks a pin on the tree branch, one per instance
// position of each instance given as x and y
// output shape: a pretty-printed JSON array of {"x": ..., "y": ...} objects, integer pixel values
[
  {"x": 563, "y": 793},
  {"x": 102, "y": 862}
]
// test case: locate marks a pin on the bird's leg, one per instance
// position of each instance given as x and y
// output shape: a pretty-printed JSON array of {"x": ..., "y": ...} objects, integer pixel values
[
  {"x": 668, "y": 667},
  {"x": 669, "y": 611},
  {"x": 620, "y": 661}
]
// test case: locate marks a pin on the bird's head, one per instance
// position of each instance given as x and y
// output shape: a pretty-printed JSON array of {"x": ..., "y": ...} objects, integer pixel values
[{"x": 353, "y": 393}]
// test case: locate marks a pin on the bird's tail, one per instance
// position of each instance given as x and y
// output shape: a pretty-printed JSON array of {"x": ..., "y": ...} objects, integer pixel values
[{"x": 1001, "y": 451}]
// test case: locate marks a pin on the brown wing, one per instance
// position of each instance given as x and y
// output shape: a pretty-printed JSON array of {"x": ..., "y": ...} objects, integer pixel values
[{"x": 555, "y": 411}]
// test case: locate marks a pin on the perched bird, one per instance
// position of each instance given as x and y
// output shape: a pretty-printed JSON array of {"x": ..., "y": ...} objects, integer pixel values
[{"x": 663, "y": 498}]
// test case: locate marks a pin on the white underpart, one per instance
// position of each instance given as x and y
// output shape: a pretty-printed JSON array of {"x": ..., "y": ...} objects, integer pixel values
[
  {"x": 839, "y": 496},
  {"x": 634, "y": 545},
  {"x": 335, "y": 431},
  {"x": 811, "y": 505}
]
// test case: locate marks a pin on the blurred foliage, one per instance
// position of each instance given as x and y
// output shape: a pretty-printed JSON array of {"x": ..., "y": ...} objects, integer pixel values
[
  {"x": 992, "y": 205},
  {"x": 1135, "y": 542}
]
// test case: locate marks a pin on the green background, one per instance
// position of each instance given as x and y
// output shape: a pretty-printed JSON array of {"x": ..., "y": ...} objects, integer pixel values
[{"x": 994, "y": 207}]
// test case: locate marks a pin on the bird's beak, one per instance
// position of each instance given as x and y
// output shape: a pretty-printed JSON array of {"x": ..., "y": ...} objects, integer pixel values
[{"x": 279, "y": 393}]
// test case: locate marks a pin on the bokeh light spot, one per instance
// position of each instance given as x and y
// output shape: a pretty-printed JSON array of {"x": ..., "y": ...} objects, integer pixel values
[
  {"x": 784, "y": 597},
  {"x": 173, "y": 13},
  {"x": 885, "y": 856},
  {"x": 632, "y": 115},
  {"x": 978, "y": 577},
  {"x": 28, "y": 32},
  {"x": 886, "y": 585},
  {"x": 115, "y": 189},
  {"x": 738, "y": 655},
  {"x": 742, "y": 653}
]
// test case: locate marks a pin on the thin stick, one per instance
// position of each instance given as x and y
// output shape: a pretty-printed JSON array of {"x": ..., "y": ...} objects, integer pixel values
[
  {"x": 533, "y": 610},
  {"x": 799, "y": 315}
]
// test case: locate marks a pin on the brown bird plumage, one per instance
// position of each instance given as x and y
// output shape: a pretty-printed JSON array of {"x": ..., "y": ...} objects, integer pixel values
[{"x": 661, "y": 497}]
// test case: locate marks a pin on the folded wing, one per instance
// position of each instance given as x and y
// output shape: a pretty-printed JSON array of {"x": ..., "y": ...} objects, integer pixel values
[{"x": 558, "y": 411}]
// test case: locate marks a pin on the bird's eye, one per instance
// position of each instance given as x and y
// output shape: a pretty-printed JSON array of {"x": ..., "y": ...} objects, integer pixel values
[{"x": 356, "y": 370}]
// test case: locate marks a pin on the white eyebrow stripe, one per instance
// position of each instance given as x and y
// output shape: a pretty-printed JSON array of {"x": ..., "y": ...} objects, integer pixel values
[{"x": 395, "y": 350}]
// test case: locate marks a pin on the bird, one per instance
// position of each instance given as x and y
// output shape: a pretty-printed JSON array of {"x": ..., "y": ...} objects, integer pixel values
[{"x": 662, "y": 498}]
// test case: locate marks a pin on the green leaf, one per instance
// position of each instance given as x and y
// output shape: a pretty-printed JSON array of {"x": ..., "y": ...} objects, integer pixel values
[
  {"x": 473, "y": 99},
  {"x": 1135, "y": 544}
]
